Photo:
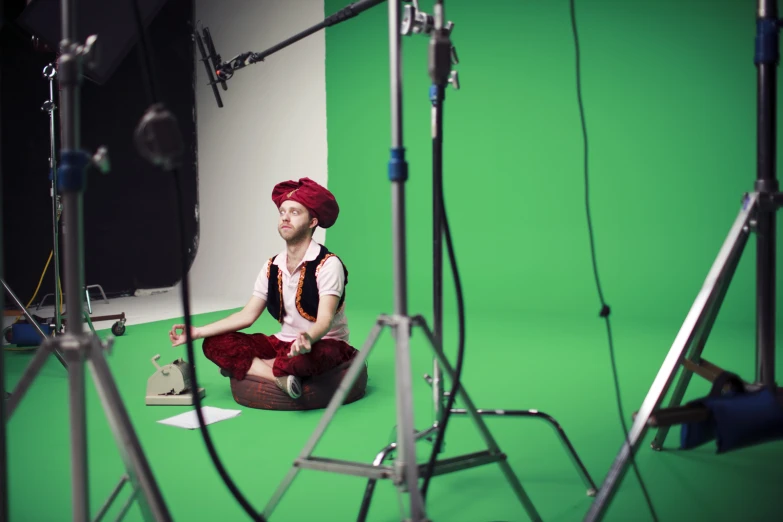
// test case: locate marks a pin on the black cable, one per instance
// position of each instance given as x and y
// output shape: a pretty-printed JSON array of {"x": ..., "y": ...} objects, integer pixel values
[
  {"x": 152, "y": 92},
  {"x": 460, "y": 354},
  {"x": 438, "y": 168},
  {"x": 605, "y": 310}
]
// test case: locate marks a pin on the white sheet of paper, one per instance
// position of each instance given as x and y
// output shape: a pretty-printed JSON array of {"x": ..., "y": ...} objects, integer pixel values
[{"x": 189, "y": 419}]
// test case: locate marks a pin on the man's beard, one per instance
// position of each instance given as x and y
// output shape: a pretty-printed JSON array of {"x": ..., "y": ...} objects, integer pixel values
[{"x": 295, "y": 235}]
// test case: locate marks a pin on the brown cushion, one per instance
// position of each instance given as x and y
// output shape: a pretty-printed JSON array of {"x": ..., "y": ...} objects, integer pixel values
[{"x": 255, "y": 392}]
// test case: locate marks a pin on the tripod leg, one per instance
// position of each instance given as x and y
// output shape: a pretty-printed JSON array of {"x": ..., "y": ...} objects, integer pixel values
[
  {"x": 536, "y": 414},
  {"x": 112, "y": 497},
  {"x": 694, "y": 356},
  {"x": 370, "y": 489},
  {"x": 379, "y": 460},
  {"x": 489, "y": 440},
  {"x": 29, "y": 375},
  {"x": 126, "y": 507},
  {"x": 88, "y": 321},
  {"x": 718, "y": 278},
  {"x": 139, "y": 471},
  {"x": 24, "y": 311},
  {"x": 337, "y": 400},
  {"x": 59, "y": 357}
]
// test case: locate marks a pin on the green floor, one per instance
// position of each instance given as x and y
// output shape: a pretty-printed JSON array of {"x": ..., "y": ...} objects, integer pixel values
[{"x": 557, "y": 365}]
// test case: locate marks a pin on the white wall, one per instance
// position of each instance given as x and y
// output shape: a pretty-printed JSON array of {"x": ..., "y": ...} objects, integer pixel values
[{"x": 272, "y": 127}]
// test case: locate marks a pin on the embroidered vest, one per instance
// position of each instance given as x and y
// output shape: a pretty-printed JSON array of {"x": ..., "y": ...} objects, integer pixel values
[{"x": 307, "y": 298}]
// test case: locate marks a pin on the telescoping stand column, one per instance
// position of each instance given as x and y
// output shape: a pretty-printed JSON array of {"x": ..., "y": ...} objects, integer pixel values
[
  {"x": 753, "y": 414},
  {"x": 79, "y": 346},
  {"x": 49, "y": 106},
  {"x": 442, "y": 55},
  {"x": 406, "y": 471}
]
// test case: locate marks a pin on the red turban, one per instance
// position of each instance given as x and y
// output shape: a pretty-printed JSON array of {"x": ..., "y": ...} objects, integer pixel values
[{"x": 317, "y": 199}]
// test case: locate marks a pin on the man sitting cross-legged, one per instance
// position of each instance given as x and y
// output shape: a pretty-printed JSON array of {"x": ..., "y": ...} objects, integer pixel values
[{"x": 303, "y": 287}]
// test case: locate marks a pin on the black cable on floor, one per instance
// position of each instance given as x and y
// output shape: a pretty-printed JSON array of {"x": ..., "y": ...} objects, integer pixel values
[
  {"x": 152, "y": 90},
  {"x": 605, "y": 310}
]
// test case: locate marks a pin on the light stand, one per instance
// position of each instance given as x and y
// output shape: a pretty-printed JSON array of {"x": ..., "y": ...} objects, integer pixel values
[
  {"x": 3, "y": 438},
  {"x": 442, "y": 55},
  {"x": 50, "y": 73},
  {"x": 82, "y": 347},
  {"x": 757, "y": 214},
  {"x": 100, "y": 162},
  {"x": 405, "y": 472}
]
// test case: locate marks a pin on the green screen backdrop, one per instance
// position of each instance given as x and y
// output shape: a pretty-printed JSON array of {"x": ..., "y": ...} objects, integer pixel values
[{"x": 670, "y": 107}]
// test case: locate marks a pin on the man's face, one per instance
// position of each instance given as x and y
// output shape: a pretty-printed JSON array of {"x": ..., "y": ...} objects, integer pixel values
[{"x": 294, "y": 221}]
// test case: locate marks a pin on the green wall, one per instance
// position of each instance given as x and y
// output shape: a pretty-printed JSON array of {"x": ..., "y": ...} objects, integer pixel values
[{"x": 669, "y": 95}]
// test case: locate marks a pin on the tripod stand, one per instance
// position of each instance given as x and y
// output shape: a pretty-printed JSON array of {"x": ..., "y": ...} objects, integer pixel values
[
  {"x": 757, "y": 214},
  {"x": 406, "y": 471},
  {"x": 50, "y": 73},
  {"x": 421, "y": 23},
  {"x": 99, "y": 160},
  {"x": 82, "y": 347}
]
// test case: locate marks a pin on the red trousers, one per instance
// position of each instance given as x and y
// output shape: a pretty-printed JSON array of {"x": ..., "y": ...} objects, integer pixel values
[{"x": 234, "y": 352}]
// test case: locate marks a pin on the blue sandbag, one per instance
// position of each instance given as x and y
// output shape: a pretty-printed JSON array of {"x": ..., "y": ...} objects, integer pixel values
[
  {"x": 746, "y": 419},
  {"x": 695, "y": 434},
  {"x": 25, "y": 334},
  {"x": 737, "y": 418}
]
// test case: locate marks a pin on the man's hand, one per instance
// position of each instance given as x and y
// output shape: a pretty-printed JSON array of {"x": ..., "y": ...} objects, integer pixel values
[
  {"x": 177, "y": 334},
  {"x": 301, "y": 345}
]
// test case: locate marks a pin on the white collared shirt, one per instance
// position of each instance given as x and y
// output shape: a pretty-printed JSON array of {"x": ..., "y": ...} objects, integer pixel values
[{"x": 331, "y": 281}]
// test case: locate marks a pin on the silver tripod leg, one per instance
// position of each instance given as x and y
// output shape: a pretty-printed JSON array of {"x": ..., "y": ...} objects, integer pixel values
[
  {"x": 30, "y": 319},
  {"x": 138, "y": 470},
  {"x": 305, "y": 457},
  {"x": 692, "y": 330},
  {"x": 140, "y": 474},
  {"x": 31, "y": 371},
  {"x": 694, "y": 357},
  {"x": 489, "y": 440}
]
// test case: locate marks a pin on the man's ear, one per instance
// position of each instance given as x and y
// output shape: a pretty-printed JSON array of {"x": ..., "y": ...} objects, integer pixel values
[{"x": 313, "y": 223}]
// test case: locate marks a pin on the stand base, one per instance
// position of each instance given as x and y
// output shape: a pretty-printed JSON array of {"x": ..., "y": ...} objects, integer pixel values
[
  {"x": 405, "y": 472},
  {"x": 685, "y": 353},
  {"x": 476, "y": 459},
  {"x": 683, "y": 414},
  {"x": 182, "y": 399},
  {"x": 88, "y": 349}
]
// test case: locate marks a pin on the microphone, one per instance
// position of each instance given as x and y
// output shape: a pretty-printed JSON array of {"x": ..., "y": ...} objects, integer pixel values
[
  {"x": 213, "y": 55},
  {"x": 205, "y": 59}
]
